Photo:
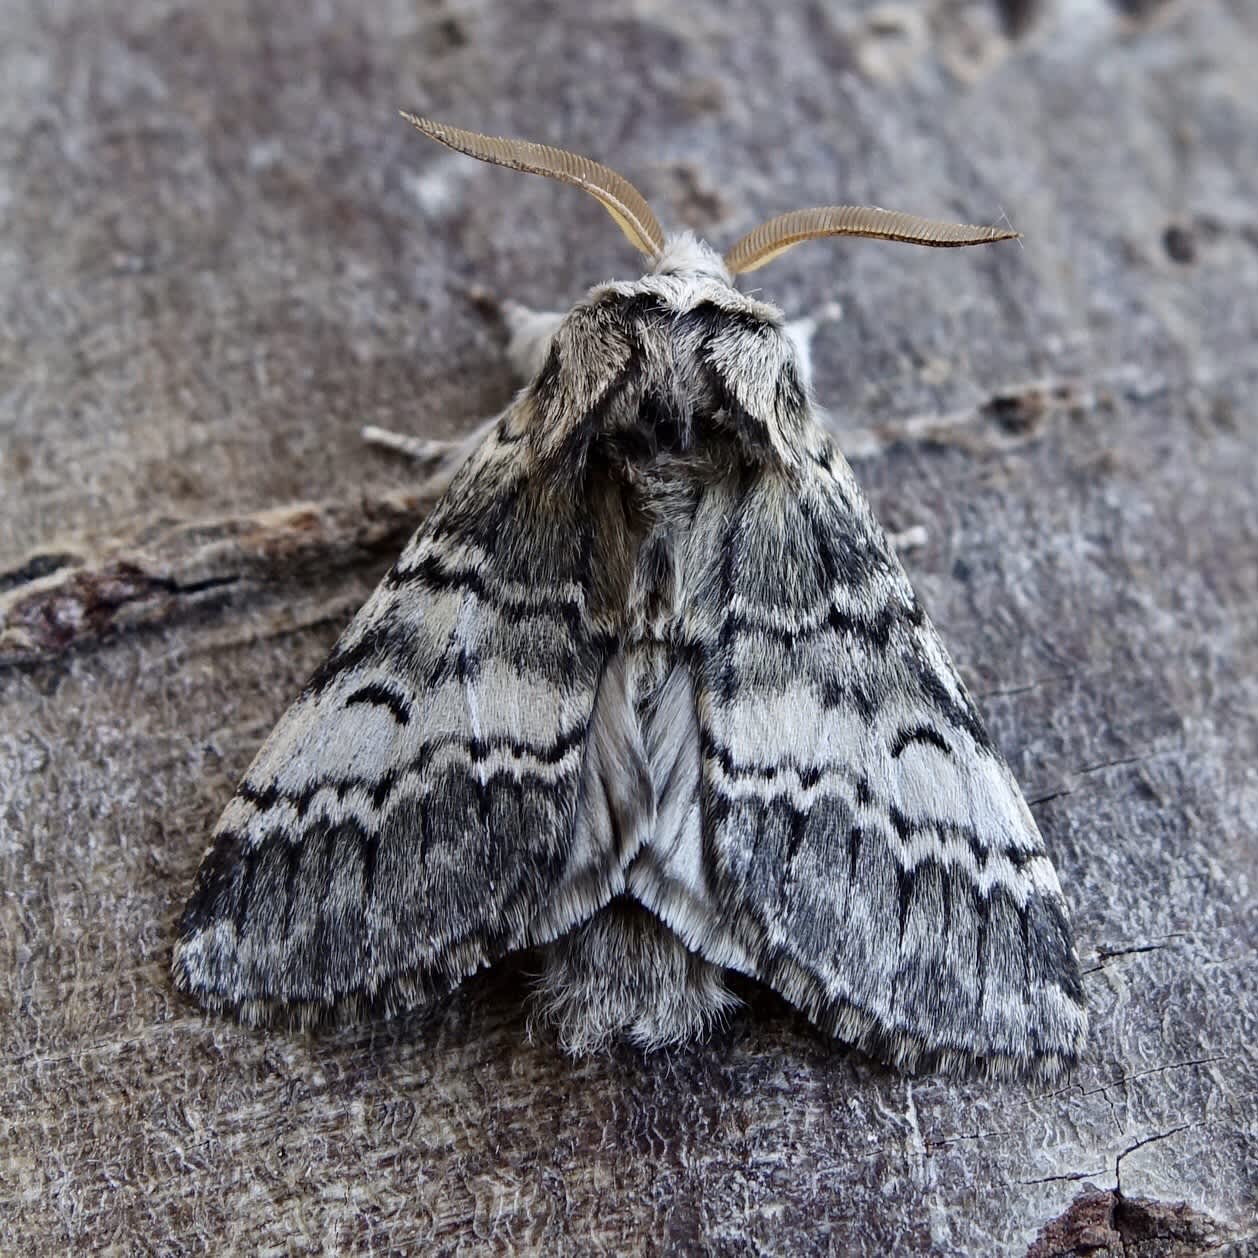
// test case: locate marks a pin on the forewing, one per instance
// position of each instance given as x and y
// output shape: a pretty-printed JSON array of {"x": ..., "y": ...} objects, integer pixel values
[
  {"x": 416, "y": 813},
  {"x": 864, "y": 849}
]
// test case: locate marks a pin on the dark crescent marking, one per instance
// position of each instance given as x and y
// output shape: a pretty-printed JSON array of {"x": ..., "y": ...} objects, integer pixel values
[
  {"x": 918, "y": 734},
  {"x": 380, "y": 695}
]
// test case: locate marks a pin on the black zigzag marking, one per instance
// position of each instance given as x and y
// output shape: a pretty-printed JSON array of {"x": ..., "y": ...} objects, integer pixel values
[
  {"x": 809, "y": 775},
  {"x": 434, "y": 574},
  {"x": 381, "y": 788}
]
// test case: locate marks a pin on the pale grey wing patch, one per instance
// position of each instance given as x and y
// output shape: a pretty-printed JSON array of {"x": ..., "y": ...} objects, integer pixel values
[
  {"x": 615, "y": 810},
  {"x": 670, "y": 875},
  {"x": 415, "y": 812},
  {"x": 623, "y": 972},
  {"x": 864, "y": 850}
]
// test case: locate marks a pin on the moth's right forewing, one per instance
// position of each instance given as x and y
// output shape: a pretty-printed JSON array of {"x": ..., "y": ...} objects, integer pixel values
[
  {"x": 413, "y": 815},
  {"x": 864, "y": 847}
]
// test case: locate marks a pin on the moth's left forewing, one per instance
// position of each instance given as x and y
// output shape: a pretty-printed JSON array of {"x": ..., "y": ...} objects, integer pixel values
[
  {"x": 865, "y": 848},
  {"x": 416, "y": 813}
]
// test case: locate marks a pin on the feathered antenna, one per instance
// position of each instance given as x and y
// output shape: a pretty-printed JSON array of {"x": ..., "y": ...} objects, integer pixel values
[
  {"x": 618, "y": 196},
  {"x": 779, "y": 234}
]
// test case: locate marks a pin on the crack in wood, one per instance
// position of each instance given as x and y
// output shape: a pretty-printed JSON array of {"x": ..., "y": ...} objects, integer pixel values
[
  {"x": 1057, "y": 1179},
  {"x": 1140, "y": 1144}
]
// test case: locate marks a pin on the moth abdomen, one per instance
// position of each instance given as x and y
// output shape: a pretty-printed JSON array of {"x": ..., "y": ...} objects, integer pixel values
[{"x": 624, "y": 974}]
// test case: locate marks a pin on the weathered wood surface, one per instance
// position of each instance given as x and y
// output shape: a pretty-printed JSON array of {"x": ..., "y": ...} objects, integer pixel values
[{"x": 221, "y": 254}]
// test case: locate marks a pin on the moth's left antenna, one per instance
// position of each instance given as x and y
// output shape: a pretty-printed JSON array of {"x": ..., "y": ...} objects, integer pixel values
[{"x": 618, "y": 196}]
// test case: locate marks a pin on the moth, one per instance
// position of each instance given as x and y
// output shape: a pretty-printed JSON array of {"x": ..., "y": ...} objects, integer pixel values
[{"x": 649, "y": 691}]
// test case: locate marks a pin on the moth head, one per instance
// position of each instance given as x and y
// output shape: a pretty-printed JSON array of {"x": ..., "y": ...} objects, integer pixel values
[{"x": 683, "y": 254}]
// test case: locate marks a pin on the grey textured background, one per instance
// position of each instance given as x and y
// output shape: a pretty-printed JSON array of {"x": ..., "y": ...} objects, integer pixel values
[{"x": 221, "y": 253}]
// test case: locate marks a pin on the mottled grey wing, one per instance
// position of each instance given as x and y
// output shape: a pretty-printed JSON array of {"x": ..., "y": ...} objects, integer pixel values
[
  {"x": 417, "y": 812},
  {"x": 863, "y": 848}
]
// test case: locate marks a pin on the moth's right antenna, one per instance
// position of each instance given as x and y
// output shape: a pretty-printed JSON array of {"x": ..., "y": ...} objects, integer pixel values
[
  {"x": 618, "y": 196},
  {"x": 779, "y": 234}
]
